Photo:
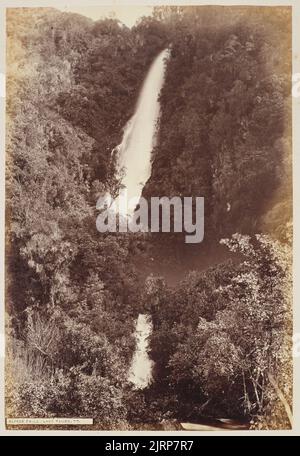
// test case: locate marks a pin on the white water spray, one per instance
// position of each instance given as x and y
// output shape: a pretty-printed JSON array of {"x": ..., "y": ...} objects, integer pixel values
[{"x": 140, "y": 133}]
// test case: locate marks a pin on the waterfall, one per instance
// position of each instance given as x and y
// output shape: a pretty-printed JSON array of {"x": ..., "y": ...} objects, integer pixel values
[
  {"x": 140, "y": 133},
  {"x": 134, "y": 163},
  {"x": 140, "y": 373}
]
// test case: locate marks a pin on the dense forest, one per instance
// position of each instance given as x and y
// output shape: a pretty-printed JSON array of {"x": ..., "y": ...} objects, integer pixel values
[{"x": 221, "y": 341}]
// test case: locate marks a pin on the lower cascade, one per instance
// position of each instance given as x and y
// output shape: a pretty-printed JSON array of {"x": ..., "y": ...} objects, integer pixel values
[{"x": 140, "y": 373}]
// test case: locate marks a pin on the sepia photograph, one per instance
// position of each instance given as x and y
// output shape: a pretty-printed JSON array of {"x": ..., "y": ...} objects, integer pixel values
[{"x": 149, "y": 218}]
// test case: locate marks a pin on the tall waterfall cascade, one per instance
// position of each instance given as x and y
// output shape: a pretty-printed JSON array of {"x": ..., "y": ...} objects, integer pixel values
[
  {"x": 134, "y": 163},
  {"x": 139, "y": 136}
]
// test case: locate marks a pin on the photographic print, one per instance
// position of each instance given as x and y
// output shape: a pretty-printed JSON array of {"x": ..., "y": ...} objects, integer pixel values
[{"x": 149, "y": 218}]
